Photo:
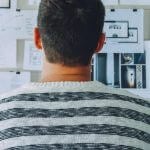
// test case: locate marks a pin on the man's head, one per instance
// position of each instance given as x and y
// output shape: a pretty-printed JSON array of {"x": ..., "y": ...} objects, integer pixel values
[{"x": 70, "y": 30}]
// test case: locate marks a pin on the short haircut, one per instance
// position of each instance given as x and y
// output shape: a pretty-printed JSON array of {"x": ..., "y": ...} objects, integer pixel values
[{"x": 70, "y": 30}]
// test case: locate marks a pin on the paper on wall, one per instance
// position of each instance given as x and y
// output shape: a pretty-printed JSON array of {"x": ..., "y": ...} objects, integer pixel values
[
  {"x": 18, "y": 24},
  {"x": 8, "y": 53},
  {"x": 134, "y": 43},
  {"x": 25, "y": 22},
  {"x": 32, "y": 57},
  {"x": 12, "y": 80}
]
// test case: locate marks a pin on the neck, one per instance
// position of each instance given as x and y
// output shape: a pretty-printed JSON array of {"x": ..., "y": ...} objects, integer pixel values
[{"x": 57, "y": 73}]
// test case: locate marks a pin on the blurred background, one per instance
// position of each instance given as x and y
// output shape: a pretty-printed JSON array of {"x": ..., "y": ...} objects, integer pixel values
[{"x": 123, "y": 63}]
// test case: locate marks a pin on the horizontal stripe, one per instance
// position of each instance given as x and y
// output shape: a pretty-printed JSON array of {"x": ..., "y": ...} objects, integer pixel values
[
  {"x": 87, "y": 111},
  {"x": 73, "y": 96},
  {"x": 74, "y": 104},
  {"x": 80, "y": 129},
  {"x": 66, "y": 139},
  {"x": 118, "y": 121},
  {"x": 78, "y": 146}
]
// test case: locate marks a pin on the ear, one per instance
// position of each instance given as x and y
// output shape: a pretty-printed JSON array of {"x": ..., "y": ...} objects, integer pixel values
[
  {"x": 101, "y": 42},
  {"x": 37, "y": 38}
]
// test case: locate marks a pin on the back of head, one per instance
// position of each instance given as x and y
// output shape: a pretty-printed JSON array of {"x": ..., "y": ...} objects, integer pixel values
[{"x": 70, "y": 30}]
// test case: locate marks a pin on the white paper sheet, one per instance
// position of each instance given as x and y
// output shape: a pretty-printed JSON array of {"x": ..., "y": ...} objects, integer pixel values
[
  {"x": 110, "y": 2},
  {"x": 12, "y": 80},
  {"x": 134, "y": 43},
  {"x": 8, "y": 53},
  {"x": 135, "y": 2},
  {"x": 32, "y": 57},
  {"x": 25, "y": 21},
  {"x": 17, "y": 25}
]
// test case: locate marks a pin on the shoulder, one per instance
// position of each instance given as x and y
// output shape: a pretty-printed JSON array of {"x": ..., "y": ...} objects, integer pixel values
[{"x": 89, "y": 90}]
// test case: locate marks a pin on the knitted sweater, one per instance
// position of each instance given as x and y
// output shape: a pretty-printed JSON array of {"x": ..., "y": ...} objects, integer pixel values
[{"x": 73, "y": 116}]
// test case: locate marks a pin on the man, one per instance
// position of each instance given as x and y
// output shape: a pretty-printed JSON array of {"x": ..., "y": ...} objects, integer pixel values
[{"x": 65, "y": 110}]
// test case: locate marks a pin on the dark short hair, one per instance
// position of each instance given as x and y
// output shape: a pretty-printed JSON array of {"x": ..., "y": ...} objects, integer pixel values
[{"x": 70, "y": 29}]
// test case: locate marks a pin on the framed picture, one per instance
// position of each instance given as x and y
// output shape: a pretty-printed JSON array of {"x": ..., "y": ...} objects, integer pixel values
[{"x": 4, "y": 3}]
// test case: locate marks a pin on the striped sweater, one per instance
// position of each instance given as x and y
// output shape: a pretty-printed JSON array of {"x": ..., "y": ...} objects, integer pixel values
[{"x": 73, "y": 116}]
